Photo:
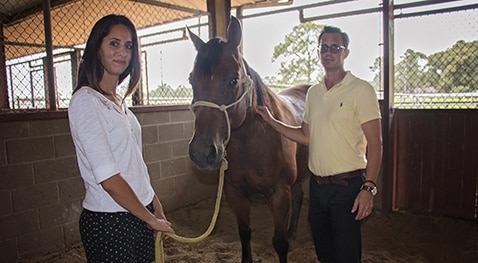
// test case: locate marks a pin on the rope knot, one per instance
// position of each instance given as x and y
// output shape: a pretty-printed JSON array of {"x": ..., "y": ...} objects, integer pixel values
[{"x": 224, "y": 165}]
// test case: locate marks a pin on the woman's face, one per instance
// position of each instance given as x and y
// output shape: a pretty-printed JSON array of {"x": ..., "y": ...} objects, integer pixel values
[{"x": 115, "y": 50}]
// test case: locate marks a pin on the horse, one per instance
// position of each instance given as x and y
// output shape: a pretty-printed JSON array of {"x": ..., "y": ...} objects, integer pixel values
[{"x": 226, "y": 92}]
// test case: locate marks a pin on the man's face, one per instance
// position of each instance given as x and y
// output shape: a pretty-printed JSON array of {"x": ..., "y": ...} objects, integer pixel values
[{"x": 331, "y": 51}]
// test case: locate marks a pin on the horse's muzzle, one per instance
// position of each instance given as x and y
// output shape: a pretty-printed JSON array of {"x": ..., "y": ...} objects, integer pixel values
[{"x": 206, "y": 157}]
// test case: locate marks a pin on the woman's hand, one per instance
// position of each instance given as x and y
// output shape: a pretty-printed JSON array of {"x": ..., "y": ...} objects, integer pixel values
[
  {"x": 161, "y": 225},
  {"x": 159, "y": 214}
]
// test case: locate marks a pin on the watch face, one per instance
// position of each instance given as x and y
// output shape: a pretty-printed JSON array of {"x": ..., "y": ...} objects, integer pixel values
[{"x": 372, "y": 190}]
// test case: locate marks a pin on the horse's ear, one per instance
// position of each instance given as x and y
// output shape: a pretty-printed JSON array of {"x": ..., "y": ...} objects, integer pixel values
[
  {"x": 197, "y": 41},
  {"x": 234, "y": 32}
]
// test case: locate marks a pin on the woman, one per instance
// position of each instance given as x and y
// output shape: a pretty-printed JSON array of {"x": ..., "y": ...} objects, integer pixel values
[{"x": 121, "y": 212}]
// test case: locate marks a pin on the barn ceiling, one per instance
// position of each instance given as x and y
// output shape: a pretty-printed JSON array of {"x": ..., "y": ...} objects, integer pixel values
[{"x": 72, "y": 20}]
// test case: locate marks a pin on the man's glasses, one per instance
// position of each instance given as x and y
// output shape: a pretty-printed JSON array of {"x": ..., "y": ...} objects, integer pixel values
[{"x": 333, "y": 48}]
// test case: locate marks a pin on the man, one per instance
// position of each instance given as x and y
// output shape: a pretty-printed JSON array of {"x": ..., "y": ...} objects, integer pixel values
[{"x": 342, "y": 127}]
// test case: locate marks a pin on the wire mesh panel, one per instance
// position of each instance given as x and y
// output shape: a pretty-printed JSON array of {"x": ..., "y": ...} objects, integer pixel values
[
  {"x": 24, "y": 73},
  {"x": 168, "y": 57},
  {"x": 25, "y": 51},
  {"x": 436, "y": 60}
]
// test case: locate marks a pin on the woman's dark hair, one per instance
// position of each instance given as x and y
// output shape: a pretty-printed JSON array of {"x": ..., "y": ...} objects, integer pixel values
[
  {"x": 332, "y": 29},
  {"x": 91, "y": 69}
]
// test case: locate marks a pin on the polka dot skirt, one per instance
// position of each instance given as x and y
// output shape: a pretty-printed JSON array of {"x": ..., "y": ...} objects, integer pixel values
[{"x": 116, "y": 237}]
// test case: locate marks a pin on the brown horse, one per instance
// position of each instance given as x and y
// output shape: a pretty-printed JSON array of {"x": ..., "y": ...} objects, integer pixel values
[{"x": 226, "y": 93}]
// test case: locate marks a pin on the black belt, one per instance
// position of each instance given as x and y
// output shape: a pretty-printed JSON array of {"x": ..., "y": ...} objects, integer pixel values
[{"x": 339, "y": 178}]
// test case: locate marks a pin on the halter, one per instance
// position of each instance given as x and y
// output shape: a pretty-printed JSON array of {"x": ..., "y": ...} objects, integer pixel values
[{"x": 223, "y": 108}]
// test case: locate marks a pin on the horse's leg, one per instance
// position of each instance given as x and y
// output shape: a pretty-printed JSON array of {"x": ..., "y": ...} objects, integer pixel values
[
  {"x": 241, "y": 206},
  {"x": 297, "y": 191},
  {"x": 297, "y": 198},
  {"x": 280, "y": 203}
]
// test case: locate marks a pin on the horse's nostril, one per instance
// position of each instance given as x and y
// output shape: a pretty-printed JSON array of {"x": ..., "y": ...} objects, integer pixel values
[{"x": 211, "y": 157}]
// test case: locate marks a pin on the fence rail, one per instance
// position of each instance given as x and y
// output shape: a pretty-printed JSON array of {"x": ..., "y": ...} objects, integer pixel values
[{"x": 468, "y": 100}]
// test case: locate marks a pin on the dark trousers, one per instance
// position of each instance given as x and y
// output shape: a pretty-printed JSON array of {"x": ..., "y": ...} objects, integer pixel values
[
  {"x": 116, "y": 237},
  {"x": 336, "y": 233}
]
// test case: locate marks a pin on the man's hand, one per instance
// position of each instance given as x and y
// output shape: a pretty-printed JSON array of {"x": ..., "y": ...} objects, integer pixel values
[{"x": 363, "y": 204}]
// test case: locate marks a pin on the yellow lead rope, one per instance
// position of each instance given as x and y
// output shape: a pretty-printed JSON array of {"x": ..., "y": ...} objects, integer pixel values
[{"x": 159, "y": 241}]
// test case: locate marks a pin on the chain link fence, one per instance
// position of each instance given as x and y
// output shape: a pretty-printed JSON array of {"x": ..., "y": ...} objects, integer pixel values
[
  {"x": 436, "y": 54},
  {"x": 436, "y": 63},
  {"x": 25, "y": 50}
]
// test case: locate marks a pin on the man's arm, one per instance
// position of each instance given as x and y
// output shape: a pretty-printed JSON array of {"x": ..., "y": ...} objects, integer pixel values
[
  {"x": 299, "y": 134},
  {"x": 373, "y": 133}
]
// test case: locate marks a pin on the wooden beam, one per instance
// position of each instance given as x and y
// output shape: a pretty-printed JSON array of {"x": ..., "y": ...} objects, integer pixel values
[
  {"x": 220, "y": 11},
  {"x": 3, "y": 72}
]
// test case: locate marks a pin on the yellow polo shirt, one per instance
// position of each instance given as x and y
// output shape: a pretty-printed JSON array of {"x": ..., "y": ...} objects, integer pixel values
[{"x": 337, "y": 142}]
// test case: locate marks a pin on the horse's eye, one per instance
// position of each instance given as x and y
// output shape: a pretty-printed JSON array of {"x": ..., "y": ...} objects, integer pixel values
[{"x": 233, "y": 81}]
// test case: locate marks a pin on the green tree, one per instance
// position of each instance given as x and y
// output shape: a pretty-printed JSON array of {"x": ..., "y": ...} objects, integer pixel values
[
  {"x": 183, "y": 91},
  {"x": 455, "y": 69},
  {"x": 376, "y": 68},
  {"x": 451, "y": 70},
  {"x": 410, "y": 72},
  {"x": 163, "y": 90},
  {"x": 300, "y": 49}
]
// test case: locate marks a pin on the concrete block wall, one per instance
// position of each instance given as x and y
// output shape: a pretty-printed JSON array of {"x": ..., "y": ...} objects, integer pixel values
[{"x": 41, "y": 190}]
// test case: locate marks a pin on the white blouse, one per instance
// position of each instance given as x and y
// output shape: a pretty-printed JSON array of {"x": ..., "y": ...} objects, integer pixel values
[{"x": 107, "y": 141}]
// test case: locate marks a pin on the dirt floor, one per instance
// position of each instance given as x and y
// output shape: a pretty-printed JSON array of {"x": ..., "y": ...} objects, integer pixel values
[{"x": 394, "y": 237}]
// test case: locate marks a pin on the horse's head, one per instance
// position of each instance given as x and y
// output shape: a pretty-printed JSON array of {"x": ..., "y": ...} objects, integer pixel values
[{"x": 222, "y": 92}]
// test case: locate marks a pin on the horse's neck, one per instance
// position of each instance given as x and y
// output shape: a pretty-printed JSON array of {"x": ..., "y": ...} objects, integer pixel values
[
  {"x": 264, "y": 95},
  {"x": 262, "y": 92}
]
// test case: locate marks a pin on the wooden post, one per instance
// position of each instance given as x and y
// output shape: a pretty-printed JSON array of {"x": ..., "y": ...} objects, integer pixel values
[
  {"x": 3, "y": 73},
  {"x": 49, "y": 74},
  {"x": 387, "y": 82},
  {"x": 220, "y": 11}
]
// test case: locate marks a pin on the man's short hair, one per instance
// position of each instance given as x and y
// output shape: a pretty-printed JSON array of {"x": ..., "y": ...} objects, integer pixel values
[{"x": 333, "y": 29}]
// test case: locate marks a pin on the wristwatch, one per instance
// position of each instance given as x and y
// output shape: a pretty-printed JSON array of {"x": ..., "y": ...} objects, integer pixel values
[{"x": 370, "y": 189}]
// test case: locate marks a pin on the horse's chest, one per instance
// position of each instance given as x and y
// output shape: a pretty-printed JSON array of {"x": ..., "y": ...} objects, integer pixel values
[
  {"x": 247, "y": 152},
  {"x": 253, "y": 168},
  {"x": 248, "y": 180},
  {"x": 257, "y": 159}
]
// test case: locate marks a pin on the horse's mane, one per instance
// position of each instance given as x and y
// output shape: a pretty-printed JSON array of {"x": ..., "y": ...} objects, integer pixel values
[
  {"x": 261, "y": 88},
  {"x": 264, "y": 95}
]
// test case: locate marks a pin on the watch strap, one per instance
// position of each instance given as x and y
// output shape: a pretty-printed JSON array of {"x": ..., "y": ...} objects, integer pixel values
[{"x": 370, "y": 189}]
